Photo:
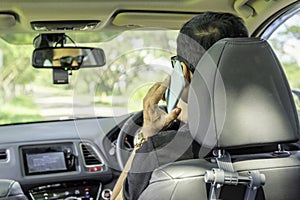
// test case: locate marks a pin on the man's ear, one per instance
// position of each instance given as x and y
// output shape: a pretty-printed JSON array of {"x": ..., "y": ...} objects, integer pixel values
[{"x": 186, "y": 72}]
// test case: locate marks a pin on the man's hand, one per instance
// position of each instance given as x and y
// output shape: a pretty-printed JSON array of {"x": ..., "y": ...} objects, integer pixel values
[{"x": 155, "y": 119}]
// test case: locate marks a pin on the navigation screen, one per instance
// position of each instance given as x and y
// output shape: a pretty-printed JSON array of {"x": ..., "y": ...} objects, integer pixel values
[{"x": 43, "y": 162}]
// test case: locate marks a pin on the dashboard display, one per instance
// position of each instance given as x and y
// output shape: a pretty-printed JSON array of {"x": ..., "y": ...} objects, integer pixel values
[{"x": 45, "y": 162}]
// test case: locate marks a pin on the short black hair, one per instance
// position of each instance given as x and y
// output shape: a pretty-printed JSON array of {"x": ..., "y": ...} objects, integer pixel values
[{"x": 201, "y": 32}]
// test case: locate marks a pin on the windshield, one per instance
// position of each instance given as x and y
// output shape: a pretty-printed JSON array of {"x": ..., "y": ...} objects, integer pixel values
[{"x": 134, "y": 61}]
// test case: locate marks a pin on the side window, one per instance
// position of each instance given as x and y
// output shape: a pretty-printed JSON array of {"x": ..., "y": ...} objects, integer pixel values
[{"x": 285, "y": 41}]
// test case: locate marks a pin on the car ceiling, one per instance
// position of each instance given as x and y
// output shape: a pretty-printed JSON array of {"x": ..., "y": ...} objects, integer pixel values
[{"x": 16, "y": 15}]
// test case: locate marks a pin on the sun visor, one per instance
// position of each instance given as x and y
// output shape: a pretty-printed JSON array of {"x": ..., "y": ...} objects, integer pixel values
[{"x": 137, "y": 19}]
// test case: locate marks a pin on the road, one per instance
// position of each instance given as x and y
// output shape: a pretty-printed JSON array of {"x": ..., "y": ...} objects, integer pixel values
[{"x": 59, "y": 107}]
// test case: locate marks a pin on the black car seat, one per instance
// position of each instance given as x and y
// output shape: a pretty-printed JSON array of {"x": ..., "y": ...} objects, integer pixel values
[
  {"x": 241, "y": 109},
  {"x": 11, "y": 190}
]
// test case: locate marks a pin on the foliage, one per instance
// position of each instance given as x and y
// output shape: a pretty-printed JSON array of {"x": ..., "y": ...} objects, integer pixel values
[
  {"x": 15, "y": 70},
  {"x": 20, "y": 109},
  {"x": 294, "y": 31},
  {"x": 135, "y": 60},
  {"x": 293, "y": 75}
]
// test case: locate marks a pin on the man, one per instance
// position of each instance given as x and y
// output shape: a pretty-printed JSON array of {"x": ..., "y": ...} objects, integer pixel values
[{"x": 157, "y": 147}]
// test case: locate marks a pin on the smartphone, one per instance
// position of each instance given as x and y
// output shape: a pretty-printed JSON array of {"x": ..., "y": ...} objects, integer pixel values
[{"x": 176, "y": 86}]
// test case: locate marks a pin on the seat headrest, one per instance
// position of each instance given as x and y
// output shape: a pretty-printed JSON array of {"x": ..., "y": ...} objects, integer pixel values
[{"x": 239, "y": 96}]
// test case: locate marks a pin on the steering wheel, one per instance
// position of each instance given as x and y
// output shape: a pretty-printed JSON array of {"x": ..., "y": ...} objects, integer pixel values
[{"x": 130, "y": 127}]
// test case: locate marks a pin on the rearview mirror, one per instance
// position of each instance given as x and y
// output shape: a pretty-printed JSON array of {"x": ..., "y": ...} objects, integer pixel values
[{"x": 68, "y": 58}]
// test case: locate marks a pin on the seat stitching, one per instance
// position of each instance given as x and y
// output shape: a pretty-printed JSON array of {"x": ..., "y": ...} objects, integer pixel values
[
  {"x": 173, "y": 192},
  {"x": 9, "y": 188}
]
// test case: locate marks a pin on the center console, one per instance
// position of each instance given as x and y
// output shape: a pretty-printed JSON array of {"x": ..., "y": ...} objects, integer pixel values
[
  {"x": 45, "y": 159},
  {"x": 78, "y": 190},
  {"x": 57, "y": 159}
]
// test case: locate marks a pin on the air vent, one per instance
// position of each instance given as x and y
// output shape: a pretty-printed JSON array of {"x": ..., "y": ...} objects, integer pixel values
[
  {"x": 3, "y": 155},
  {"x": 90, "y": 155}
]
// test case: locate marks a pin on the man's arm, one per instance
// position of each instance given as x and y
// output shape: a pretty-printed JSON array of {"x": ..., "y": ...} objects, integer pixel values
[
  {"x": 117, "y": 193},
  {"x": 155, "y": 119}
]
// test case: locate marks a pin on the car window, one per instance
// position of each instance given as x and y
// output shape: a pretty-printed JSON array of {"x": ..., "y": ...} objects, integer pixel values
[
  {"x": 285, "y": 41},
  {"x": 134, "y": 61}
]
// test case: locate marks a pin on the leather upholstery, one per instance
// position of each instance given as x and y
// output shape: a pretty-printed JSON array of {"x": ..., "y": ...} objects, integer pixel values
[
  {"x": 185, "y": 179},
  {"x": 239, "y": 96},
  {"x": 10, "y": 189},
  {"x": 177, "y": 181}
]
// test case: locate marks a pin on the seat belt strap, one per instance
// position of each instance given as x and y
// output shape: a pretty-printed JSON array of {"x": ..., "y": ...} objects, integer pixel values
[{"x": 225, "y": 163}]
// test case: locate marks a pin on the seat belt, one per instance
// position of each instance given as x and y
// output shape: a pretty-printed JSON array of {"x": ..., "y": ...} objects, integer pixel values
[{"x": 225, "y": 175}]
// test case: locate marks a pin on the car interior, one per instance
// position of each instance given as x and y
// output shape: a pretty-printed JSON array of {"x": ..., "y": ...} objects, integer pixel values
[
  {"x": 73, "y": 75},
  {"x": 235, "y": 81}
]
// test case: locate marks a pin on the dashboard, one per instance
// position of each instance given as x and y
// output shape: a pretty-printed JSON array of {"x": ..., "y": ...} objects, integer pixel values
[{"x": 74, "y": 159}]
